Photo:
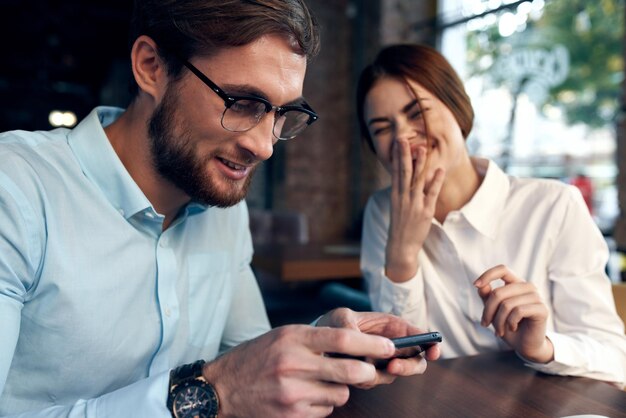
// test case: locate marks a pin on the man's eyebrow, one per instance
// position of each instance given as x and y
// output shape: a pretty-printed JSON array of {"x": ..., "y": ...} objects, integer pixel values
[
  {"x": 244, "y": 89},
  {"x": 248, "y": 90}
]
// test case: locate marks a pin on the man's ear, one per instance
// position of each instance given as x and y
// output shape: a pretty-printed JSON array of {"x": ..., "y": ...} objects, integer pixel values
[{"x": 148, "y": 68}]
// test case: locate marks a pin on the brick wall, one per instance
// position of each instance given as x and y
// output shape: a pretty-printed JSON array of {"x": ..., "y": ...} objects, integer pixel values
[{"x": 327, "y": 173}]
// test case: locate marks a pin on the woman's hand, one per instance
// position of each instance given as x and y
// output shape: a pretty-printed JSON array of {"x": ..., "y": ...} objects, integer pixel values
[
  {"x": 517, "y": 313},
  {"x": 413, "y": 202}
]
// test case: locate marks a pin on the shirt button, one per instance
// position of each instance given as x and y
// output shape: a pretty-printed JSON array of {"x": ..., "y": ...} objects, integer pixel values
[
  {"x": 168, "y": 312},
  {"x": 149, "y": 215},
  {"x": 121, "y": 211}
]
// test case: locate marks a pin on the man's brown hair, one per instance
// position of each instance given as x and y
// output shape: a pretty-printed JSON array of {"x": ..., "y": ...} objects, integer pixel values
[{"x": 183, "y": 29}]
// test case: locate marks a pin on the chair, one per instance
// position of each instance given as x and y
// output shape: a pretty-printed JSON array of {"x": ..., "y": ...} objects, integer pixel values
[
  {"x": 619, "y": 295},
  {"x": 335, "y": 295}
]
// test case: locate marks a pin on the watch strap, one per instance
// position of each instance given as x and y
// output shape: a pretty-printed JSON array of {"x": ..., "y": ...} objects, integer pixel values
[{"x": 186, "y": 372}]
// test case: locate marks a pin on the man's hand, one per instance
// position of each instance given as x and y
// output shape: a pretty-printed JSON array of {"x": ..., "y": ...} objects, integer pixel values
[
  {"x": 517, "y": 313},
  {"x": 284, "y": 372},
  {"x": 389, "y": 326},
  {"x": 413, "y": 202}
]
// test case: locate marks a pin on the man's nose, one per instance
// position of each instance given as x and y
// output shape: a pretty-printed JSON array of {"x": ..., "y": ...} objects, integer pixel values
[{"x": 259, "y": 141}]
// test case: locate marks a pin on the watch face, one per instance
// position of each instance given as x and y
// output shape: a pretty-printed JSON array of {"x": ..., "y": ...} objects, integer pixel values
[{"x": 195, "y": 400}]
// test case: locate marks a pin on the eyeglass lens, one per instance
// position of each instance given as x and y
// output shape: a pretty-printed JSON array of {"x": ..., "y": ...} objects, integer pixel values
[{"x": 246, "y": 114}]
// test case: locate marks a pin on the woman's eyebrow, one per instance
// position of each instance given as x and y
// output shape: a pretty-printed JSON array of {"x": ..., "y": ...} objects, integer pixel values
[
  {"x": 376, "y": 120},
  {"x": 407, "y": 108},
  {"x": 410, "y": 106}
]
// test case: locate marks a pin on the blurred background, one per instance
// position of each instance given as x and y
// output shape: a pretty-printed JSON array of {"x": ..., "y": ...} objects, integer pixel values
[{"x": 545, "y": 78}]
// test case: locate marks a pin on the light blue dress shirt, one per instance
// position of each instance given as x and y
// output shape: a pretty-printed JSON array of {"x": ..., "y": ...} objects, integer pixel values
[{"x": 97, "y": 304}]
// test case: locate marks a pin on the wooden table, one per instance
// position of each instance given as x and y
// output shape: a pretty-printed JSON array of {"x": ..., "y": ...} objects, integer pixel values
[
  {"x": 490, "y": 385},
  {"x": 301, "y": 262}
]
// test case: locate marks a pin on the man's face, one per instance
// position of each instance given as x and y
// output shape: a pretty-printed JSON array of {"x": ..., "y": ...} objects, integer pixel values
[{"x": 192, "y": 150}]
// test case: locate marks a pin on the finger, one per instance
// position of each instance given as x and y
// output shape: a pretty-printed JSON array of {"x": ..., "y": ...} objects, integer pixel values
[
  {"x": 321, "y": 393},
  {"x": 432, "y": 353},
  {"x": 418, "y": 177},
  {"x": 407, "y": 366},
  {"x": 435, "y": 187},
  {"x": 348, "y": 341},
  {"x": 503, "y": 314},
  {"x": 406, "y": 165},
  {"x": 483, "y": 283},
  {"x": 385, "y": 324},
  {"x": 432, "y": 192},
  {"x": 318, "y": 411},
  {"x": 344, "y": 371},
  {"x": 312, "y": 398},
  {"x": 530, "y": 311},
  {"x": 339, "y": 318},
  {"x": 496, "y": 297},
  {"x": 395, "y": 167},
  {"x": 382, "y": 378},
  {"x": 498, "y": 272},
  {"x": 484, "y": 292}
]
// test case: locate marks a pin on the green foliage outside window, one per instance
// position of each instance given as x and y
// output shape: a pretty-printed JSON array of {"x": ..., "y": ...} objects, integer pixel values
[{"x": 592, "y": 32}]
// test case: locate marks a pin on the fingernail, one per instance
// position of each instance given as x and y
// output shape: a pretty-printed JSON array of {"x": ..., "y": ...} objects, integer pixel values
[
  {"x": 478, "y": 283},
  {"x": 390, "y": 348}
]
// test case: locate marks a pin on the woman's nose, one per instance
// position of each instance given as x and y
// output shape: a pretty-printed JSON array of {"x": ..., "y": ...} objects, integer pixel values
[{"x": 405, "y": 130}]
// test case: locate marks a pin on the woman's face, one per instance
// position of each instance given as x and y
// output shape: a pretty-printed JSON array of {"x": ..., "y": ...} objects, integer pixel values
[{"x": 393, "y": 112}]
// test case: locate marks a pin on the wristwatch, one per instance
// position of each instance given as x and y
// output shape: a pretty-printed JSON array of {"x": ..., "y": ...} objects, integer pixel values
[{"x": 191, "y": 396}]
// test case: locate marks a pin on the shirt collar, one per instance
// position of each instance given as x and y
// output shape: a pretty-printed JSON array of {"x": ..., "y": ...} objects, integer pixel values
[
  {"x": 102, "y": 166},
  {"x": 486, "y": 206}
]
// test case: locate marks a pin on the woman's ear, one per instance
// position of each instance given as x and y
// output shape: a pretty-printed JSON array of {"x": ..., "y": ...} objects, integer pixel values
[{"x": 148, "y": 68}]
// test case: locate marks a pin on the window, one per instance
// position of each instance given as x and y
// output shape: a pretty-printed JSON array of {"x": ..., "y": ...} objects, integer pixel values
[{"x": 545, "y": 80}]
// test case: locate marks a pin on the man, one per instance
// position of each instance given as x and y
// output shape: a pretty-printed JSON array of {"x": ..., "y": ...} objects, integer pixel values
[{"x": 124, "y": 243}]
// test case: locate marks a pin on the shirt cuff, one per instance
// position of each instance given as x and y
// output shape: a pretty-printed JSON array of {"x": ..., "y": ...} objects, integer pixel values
[
  {"x": 560, "y": 362},
  {"x": 146, "y": 398},
  {"x": 564, "y": 358},
  {"x": 394, "y": 297}
]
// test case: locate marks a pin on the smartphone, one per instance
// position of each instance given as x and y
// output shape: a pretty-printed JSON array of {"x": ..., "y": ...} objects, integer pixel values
[{"x": 421, "y": 341}]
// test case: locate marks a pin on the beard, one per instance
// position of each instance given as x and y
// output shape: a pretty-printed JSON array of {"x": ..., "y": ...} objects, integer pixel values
[{"x": 175, "y": 159}]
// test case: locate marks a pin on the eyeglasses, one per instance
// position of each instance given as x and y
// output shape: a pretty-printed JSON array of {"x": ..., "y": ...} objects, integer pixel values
[{"x": 243, "y": 113}]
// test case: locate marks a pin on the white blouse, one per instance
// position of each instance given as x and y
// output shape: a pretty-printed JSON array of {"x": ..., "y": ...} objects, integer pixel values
[{"x": 540, "y": 229}]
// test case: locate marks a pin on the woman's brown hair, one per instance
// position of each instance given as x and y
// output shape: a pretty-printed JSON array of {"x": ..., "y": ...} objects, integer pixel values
[{"x": 425, "y": 66}]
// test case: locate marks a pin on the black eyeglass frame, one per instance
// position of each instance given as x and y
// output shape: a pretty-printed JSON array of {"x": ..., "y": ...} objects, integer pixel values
[{"x": 230, "y": 100}]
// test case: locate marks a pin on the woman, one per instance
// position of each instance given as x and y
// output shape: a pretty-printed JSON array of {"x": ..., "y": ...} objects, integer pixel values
[{"x": 455, "y": 245}]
